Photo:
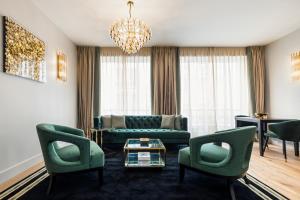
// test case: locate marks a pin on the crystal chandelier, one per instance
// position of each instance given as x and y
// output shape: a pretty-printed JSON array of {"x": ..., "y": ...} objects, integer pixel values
[{"x": 130, "y": 34}]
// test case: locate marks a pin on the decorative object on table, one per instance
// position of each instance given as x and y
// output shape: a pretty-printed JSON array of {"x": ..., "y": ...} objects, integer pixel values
[
  {"x": 24, "y": 53},
  {"x": 130, "y": 34},
  {"x": 144, "y": 142},
  {"x": 143, "y": 156},
  {"x": 261, "y": 115},
  {"x": 285, "y": 131},
  {"x": 152, "y": 156},
  {"x": 206, "y": 157},
  {"x": 61, "y": 66},
  {"x": 295, "y": 60}
]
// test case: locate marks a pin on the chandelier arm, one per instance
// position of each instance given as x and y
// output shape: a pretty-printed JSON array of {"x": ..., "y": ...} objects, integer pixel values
[{"x": 130, "y": 4}]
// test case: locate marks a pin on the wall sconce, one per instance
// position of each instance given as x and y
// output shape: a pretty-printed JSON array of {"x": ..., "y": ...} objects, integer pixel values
[
  {"x": 295, "y": 58},
  {"x": 61, "y": 66}
]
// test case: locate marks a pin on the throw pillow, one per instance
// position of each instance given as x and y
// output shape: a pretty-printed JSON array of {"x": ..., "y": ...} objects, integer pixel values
[
  {"x": 118, "y": 121},
  {"x": 178, "y": 122},
  {"x": 167, "y": 121},
  {"x": 106, "y": 121}
]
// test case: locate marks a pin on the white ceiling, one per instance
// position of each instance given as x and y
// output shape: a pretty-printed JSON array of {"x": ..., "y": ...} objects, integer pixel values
[{"x": 178, "y": 22}]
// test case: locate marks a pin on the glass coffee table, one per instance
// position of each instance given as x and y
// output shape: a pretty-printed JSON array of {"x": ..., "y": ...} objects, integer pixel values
[{"x": 144, "y": 154}]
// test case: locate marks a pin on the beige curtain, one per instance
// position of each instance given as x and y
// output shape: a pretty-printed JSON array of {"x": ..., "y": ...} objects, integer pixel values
[
  {"x": 165, "y": 87},
  {"x": 256, "y": 62},
  {"x": 85, "y": 85}
]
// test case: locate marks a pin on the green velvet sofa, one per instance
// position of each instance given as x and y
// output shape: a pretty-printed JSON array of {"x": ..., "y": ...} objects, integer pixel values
[{"x": 144, "y": 126}]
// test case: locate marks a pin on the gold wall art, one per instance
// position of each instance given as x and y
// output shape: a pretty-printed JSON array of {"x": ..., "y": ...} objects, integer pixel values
[{"x": 24, "y": 53}]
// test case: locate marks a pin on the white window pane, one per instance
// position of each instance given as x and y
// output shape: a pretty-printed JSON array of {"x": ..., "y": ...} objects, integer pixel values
[
  {"x": 213, "y": 90},
  {"x": 125, "y": 85}
]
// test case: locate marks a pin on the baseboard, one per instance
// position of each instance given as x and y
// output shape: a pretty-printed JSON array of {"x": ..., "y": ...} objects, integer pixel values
[{"x": 19, "y": 171}]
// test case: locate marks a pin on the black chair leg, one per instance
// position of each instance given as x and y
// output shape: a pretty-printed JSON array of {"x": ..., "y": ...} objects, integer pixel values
[
  {"x": 296, "y": 147},
  {"x": 231, "y": 189},
  {"x": 284, "y": 149},
  {"x": 181, "y": 173},
  {"x": 246, "y": 180},
  {"x": 51, "y": 177},
  {"x": 100, "y": 176},
  {"x": 265, "y": 143}
]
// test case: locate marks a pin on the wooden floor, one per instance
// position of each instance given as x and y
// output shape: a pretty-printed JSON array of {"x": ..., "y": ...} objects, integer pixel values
[{"x": 272, "y": 170}]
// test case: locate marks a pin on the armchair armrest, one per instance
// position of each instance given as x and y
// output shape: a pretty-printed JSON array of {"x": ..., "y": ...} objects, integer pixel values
[
  {"x": 74, "y": 131},
  {"x": 82, "y": 143}
]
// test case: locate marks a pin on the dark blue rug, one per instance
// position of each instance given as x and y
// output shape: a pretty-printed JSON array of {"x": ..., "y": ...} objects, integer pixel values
[{"x": 120, "y": 183}]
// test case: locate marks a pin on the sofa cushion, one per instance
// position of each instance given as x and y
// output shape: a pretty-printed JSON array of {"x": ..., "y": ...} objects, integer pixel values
[
  {"x": 106, "y": 121},
  {"x": 168, "y": 121},
  {"x": 177, "y": 123},
  {"x": 118, "y": 121},
  {"x": 71, "y": 153}
]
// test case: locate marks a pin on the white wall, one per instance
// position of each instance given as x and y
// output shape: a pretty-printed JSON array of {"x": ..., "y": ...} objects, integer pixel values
[
  {"x": 25, "y": 103},
  {"x": 283, "y": 95}
]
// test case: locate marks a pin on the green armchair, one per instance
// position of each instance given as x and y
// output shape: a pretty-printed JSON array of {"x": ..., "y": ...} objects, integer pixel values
[
  {"x": 207, "y": 156},
  {"x": 81, "y": 155},
  {"x": 285, "y": 131}
]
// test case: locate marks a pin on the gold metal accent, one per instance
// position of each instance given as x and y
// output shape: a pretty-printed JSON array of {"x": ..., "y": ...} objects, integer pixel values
[
  {"x": 261, "y": 115},
  {"x": 295, "y": 60},
  {"x": 24, "y": 53},
  {"x": 130, "y": 34}
]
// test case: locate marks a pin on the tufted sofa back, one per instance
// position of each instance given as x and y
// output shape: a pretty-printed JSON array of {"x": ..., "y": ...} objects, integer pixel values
[{"x": 142, "y": 122}]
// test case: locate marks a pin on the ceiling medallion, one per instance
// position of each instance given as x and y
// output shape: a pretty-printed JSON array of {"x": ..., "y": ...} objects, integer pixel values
[{"x": 130, "y": 34}]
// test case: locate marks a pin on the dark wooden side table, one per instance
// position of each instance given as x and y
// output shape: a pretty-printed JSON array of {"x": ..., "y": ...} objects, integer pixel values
[{"x": 262, "y": 127}]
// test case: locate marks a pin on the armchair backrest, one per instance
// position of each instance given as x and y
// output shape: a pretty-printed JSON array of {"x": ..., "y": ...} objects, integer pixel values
[
  {"x": 47, "y": 142},
  {"x": 49, "y": 134},
  {"x": 240, "y": 141},
  {"x": 288, "y": 130}
]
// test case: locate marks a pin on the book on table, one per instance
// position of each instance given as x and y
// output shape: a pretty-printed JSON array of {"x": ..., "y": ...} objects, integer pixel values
[{"x": 144, "y": 156}]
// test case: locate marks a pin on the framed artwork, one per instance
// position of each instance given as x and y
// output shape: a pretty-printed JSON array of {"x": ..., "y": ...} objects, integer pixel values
[{"x": 24, "y": 53}]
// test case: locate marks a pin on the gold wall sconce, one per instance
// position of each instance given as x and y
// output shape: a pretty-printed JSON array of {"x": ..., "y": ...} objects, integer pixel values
[
  {"x": 295, "y": 59},
  {"x": 61, "y": 66}
]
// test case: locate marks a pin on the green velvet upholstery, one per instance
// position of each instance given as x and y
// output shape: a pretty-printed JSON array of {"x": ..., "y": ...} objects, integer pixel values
[
  {"x": 230, "y": 161},
  {"x": 285, "y": 131},
  {"x": 145, "y": 126},
  {"x": 81, "y": 154},
  {"x": 208, "y": 157},
  {"x": 288, "y": 130}
]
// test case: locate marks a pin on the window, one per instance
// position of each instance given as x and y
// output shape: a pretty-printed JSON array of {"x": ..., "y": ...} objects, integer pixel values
[
  {"x": 125, "y": 82},
  {"x": 214, "y": 88}
]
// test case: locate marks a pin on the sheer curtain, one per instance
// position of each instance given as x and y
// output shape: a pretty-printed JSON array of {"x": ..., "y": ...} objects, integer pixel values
[
  {"x": 125, "y": 82},
  {"x": 214, "y": 87}
]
